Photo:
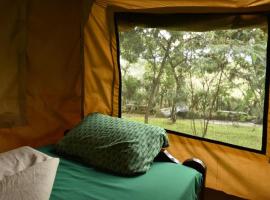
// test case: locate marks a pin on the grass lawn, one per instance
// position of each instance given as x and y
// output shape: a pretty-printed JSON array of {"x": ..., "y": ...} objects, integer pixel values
[{"x": 246, "y": 135}]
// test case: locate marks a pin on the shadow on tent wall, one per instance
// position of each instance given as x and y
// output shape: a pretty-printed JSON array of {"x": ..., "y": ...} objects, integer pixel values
[{"x": 211, "y": 194}]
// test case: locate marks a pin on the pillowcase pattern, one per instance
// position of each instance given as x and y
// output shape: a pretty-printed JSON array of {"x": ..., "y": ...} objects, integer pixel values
[{"x": 114, "y": 144}]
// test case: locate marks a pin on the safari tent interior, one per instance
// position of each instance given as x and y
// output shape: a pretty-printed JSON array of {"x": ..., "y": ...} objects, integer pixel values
[{"x": 61, "y": 61}]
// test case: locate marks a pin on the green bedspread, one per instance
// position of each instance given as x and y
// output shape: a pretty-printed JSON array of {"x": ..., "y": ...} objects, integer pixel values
[{"x": 164, "y": 181}]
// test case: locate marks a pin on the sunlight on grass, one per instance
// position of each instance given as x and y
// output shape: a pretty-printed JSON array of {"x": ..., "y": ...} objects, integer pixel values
[{"x": 246, "y": 135}]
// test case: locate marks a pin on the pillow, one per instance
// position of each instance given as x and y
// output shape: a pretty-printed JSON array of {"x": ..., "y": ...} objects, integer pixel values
[
  {"x": 26, "y": 174},
  {"x": 114, "y": 144}
]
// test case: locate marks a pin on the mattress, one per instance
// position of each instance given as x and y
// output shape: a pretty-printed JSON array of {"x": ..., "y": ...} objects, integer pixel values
[{"x": 76, "y": 181}]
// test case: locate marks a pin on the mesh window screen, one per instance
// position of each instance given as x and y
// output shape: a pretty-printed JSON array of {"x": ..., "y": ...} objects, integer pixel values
[{"x": 201, "y": 75}]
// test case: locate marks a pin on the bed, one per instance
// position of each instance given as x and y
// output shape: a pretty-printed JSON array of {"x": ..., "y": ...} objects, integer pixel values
[
  {"x": 165, "y": 180},
  {"x": 101, "y": 158}
]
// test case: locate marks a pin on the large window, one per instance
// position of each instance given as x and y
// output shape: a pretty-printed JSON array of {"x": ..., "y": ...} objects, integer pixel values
[{"x": 209, "y": 83}]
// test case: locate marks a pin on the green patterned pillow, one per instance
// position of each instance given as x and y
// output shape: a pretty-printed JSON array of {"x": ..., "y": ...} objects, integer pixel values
[{"x": 114, "y": 144}]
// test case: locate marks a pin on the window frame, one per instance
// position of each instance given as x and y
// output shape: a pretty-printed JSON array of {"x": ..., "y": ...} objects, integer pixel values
[{"x": 266, "y": 95}]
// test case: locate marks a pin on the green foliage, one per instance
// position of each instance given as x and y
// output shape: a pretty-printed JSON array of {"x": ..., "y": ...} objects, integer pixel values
[
  {"x": 205, "y": 71},
  {"x": 131, "y": 45},
  {"x": 130, "y": 87}
]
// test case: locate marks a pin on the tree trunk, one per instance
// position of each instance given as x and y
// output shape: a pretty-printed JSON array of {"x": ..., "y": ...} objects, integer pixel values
[
  {"x": 161, "y": 101},
  {"x": 209, "y": 117},
  {"x": 156, "y": 81},
  {"x": 174, "y": 102},
  {"x": 192, "y": 106},
  {"x": 178, "y": 79},
  {"x": 150, "y": 100}
]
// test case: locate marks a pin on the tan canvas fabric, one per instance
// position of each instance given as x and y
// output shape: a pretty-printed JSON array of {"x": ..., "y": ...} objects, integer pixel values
[
  {"x": 236, "y": 172},
  {"x": 43, "y": 58},
  {"x": 40, "y": 71},
  {"x": 26, "y": 174},
  {"x": 233, "y": 171},
  {"x": 12, "y": 49}
]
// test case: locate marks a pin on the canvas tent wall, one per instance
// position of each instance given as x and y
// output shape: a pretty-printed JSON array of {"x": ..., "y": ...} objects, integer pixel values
[
  {"x": 58, "y": 62},
  {"x": 40, "y": 70}
]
